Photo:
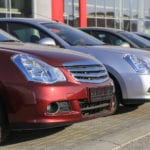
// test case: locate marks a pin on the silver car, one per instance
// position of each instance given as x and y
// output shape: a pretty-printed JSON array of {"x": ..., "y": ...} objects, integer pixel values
[{"x": 129, "y": 68}]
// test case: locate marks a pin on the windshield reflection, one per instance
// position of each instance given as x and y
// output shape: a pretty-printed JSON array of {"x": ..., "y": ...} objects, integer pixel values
[
  {"x": 5, "y": 37},
  {"x": 72, "y": 36}
]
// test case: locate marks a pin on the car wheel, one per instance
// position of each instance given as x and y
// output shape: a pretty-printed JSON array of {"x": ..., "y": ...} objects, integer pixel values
[
  {"x": 4, "y": 131},
  {"x": 118, "y": 95}
]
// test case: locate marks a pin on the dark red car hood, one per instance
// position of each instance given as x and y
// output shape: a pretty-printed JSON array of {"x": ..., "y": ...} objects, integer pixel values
[{"x": 51, "y": 55}]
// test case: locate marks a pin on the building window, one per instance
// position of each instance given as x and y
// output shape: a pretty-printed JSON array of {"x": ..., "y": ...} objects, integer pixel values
[
  {"x": 134, "y": 8},
  {"x": 3, "y": 8},
  {"x": 71, "y": 12},
  {"x": 103, "y": 13},
  {"x": 147, "y": 9},
  {"x": 130, "y": 9},
  {"x": 130, "y": 15},
  {"x": 126, "y": 9},
  {"x": 100, "y": 8},
  {"x": 147, "y": 27},
  {"x": 110, "y": 8},
  {"x": 91, "y": 12},
  {"x": 15, "y": 8}
]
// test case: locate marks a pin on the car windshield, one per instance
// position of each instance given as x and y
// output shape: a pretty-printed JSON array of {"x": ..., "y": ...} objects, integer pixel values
[
  {"x": 141, "y": 42},
  {"x": 5, "y": 37},
  {"x": 71, "y": 35}
]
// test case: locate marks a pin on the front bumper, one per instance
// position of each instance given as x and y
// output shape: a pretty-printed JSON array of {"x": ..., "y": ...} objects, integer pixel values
[
  {"x": 135, "y": 87},
  {"x": 27, "y": 105}
]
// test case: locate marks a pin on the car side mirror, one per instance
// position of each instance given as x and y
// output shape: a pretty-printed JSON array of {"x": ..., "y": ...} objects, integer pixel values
[
  {"x": 125, "y": 45},
  {"x": 47, "y": 42}
]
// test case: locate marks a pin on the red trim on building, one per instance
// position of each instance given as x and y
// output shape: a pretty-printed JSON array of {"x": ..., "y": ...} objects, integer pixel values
[
  {"x": 58, "y": 10},
  {"x": 82, "y": 13}
]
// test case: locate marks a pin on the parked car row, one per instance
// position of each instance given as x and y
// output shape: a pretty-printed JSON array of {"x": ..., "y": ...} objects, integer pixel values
[
  {"x": 119, "y": 37},
  {"x": 50, "y": 86}
]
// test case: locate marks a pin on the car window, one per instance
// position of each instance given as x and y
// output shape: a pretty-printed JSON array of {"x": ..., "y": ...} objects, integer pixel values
[
  {"x": 5, "y": 37},
  {"x": 26, "y": 33},
  {"x": 141, "y": 42},
  {"x": 101, "y": 36},
  {"x": 71, "y": 35},
  {"x": 115, "y": 40},
  {"x": 108, "y": 38},
  {"x": 3, "y": 26}
]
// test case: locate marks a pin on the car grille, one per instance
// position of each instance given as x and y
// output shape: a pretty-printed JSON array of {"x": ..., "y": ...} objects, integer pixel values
[
  {"x": 95, "y": 73},
  {"x": 99, "y": 107}
]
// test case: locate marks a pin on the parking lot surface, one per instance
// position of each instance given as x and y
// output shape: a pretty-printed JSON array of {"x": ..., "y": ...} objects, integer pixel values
[{"x": 129, "y": 129}]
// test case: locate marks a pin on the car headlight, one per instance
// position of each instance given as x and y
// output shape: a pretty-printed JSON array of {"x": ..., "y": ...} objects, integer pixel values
[
  {"x": 36, "y": 70},
  {"x": 138, "y": 64}
]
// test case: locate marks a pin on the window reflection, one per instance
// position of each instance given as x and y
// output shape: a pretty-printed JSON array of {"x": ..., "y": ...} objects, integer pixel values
[
  {"x": 126, "y": 8},
  {"x": 134, "y": 25},
  {"x": 71, "y": 12},
  {"x": 117, "y": 8},
  {"x": 100, "y": 8},
  {"x": 130, "y": 8},
  {"x": 110, "y": 8},
  {"x": 147, "y": 27},
  {"x": 147, "y": 9},
  {"x": 128, "y": 15},
  {"x": 110, "y": 23},
  {"x": 3, "y": 8},
  {"x": 134, "y": 8},
  {"x": 103, "y": 12},
  {"x": 91, "y": 13},
  {"x": 15, "y": 8},
  {"x": 101, "y": 22}
]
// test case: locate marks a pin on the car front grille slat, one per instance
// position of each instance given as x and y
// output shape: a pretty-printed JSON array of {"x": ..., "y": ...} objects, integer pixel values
[
  {"x": 91, "y": 108},
  {"x": 95, "y": 73}
]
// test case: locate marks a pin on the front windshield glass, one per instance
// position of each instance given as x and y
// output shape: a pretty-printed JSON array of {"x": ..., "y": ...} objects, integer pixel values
[
  {"x": 5, "y": 37},
  {"x": 71, "y": 35},
  {"x": 141, "y": 42}
]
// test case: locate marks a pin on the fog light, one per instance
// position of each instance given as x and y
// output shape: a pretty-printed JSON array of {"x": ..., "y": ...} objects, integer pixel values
[
  {"x": 52, "y": 108},
  {"x": 58, "y": 107}
]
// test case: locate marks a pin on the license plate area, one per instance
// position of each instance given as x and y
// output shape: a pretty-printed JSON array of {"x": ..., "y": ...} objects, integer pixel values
[{"x": 98, "y": 93}]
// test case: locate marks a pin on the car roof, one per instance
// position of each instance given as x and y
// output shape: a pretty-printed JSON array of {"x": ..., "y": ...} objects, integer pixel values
[
  {"x": 144, "y": 34},
  {"x": 33, "y": 20},
  {"x": 103, "y": 29}
]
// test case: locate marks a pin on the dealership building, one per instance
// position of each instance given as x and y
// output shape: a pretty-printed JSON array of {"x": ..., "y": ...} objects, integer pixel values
[{"x": 131, "y": 15}]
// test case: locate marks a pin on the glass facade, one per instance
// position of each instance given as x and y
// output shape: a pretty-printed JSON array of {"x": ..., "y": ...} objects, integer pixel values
[
  {"x": 147, "y": 16},
  {"x": 130, "y": 15},
  {"x": 15, "y": 8},
  {"x": 71, "y": 12}
]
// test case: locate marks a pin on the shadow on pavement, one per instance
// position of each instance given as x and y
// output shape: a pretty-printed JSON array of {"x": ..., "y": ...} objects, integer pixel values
[
  {"x": 22, "y": 136},
  {"x": 126, "y": 109}
]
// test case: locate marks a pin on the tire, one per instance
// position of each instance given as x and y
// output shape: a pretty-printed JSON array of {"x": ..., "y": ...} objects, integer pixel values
[
  {"x": 118, "y": 95},
  {"x": 4, "y": 130}
]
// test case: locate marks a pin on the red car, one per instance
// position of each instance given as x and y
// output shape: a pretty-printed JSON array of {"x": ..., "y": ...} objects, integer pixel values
[{"x": 42, "y": 87}]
